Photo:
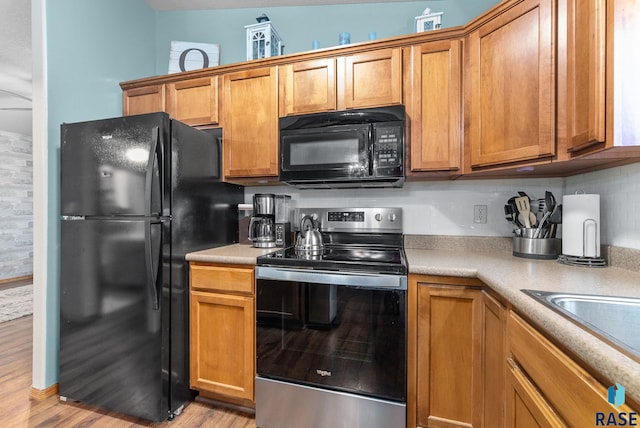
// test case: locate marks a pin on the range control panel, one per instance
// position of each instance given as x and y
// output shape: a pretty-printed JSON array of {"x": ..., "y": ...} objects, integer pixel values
[
  {"x": 370, "y": 220},
  {"x": 345, "y": 216}
]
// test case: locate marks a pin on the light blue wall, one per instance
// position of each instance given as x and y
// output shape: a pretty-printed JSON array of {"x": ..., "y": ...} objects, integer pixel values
[
  {"x": 299, "y": 26},
  {"x": 95, "y": 44},
  {"x": 92, "y": 45}
]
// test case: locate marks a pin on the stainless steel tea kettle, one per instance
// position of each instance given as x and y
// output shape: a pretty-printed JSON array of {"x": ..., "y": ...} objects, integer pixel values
[{"x": 309, "y": 240}]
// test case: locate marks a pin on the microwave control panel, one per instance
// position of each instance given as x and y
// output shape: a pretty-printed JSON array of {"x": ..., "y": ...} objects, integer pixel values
[{"x": 387, "y": 146}]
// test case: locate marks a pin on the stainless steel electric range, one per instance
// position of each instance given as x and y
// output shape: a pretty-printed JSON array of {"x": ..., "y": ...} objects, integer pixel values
[{"x": 331, "y": 323}]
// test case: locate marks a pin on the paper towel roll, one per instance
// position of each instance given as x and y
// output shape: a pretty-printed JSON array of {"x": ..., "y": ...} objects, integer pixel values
[{"x": 581, "y": 225}]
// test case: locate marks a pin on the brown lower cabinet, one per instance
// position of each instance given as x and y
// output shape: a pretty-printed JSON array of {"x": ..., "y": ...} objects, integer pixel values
[
  {"x": 456, "y": 342},
  {"x": 222, "y": 332},
  {"x": 474, "y": 362},
  {"x": 547, "y": 388}
]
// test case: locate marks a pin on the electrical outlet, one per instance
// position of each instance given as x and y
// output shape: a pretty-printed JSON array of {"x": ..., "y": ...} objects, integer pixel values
[{"x": 479, "y": 213}]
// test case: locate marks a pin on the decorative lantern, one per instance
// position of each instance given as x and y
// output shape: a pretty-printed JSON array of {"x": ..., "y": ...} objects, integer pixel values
[
  {"x": 428, "y": 21},
  {"x": 263, "y": 41}
]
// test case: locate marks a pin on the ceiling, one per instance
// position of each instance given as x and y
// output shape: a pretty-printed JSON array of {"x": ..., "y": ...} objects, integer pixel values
[
  {"x": 15, "y": 66},
  {"x": 239, "y": 4}
]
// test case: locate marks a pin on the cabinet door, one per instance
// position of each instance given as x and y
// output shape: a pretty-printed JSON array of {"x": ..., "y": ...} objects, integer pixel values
[
  {"x": 584, "y": 59},
  {"x": 448, "y": 356},
  {"x": 149, "y": 99},
  {"x": 221, "y": 278},
  {"x": 494, "y": 356},
  {"x": 575, "y": 394},
  {"x": 250, "y": 122},
  {"x": 194, "y": 101},
  {"x": 307, "y": 87},
  {"x": 434, "y": 105},
  {"x": 526, "y": 408},
  {"x": 370, "y": 79},
  {"x": 222, "y": 344},
  {"x": 510, "y": 86}
]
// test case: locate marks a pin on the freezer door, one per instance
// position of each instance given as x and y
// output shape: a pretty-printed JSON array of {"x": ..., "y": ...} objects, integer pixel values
[
  {"x": 114, "y": 166},
  {"x": 114, "y": 320}
]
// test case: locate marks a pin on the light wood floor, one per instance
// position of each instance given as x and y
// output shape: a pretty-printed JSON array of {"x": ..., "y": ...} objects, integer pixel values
[{"x": 17, "y": 410}]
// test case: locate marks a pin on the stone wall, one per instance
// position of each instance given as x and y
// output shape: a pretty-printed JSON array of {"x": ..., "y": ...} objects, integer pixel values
[{"x": 16, "y": 206}]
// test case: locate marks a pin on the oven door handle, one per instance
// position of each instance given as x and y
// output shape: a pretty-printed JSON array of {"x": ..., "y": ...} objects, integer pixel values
[{"x": 364, "y": 280}]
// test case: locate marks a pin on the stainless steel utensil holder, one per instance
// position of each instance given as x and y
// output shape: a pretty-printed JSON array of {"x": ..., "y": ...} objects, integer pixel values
[{"x": 530, "y": 248}]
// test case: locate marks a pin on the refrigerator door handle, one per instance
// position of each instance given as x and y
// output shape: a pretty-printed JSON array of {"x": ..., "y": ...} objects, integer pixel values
[
  {"x": 152, "y": 263},
  {"x": 154, "y": 155}
]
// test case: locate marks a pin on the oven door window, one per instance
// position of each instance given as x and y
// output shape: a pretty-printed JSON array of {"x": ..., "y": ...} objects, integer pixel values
[
  {"x": 341, "y": 150},
  {"x": 353, "y": 340}
]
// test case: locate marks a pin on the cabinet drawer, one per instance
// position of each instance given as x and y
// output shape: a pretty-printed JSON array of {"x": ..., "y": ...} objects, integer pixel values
[
  {"x": 222, "y": 278},
  {"x": 571, "y": 391}
]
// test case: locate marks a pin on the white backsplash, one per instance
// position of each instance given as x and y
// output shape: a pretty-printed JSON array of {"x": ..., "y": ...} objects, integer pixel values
[
  {"x": 446, "y": 207},
  {"x": 433, "y": 207}
]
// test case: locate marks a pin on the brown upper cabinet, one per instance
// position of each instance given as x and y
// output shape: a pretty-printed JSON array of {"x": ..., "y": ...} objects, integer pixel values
[
  {"x": 194, "y": 101},
  {"x": 366, "y": 79},
  {"x": 585, "y": 74},
  {"x": 545, "y": 87},
  {"x": 370, "y": 79},
  {"x": 510, "y": 86},
  {"x": 433, "y": 102},
  {"x": 147, "y": 99},
  {"x": 308, "y": 86},
  {"x": 250, "y": 122}
]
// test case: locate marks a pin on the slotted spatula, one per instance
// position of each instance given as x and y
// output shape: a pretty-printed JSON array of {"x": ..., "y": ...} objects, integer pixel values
[{"x": 522, "y": 203}]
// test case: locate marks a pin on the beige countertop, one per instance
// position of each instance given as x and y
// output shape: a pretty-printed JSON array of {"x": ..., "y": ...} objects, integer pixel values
[
  {"x": 237, "y": 254},
  {"x": 507, "y": 275}
]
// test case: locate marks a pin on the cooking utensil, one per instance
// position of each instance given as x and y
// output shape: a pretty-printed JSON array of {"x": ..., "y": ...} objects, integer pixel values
[
  {"x": 538, "y": 206},
  {"x": 514, "y": 210},
  {"x": 549, "y": 201},
  {"x": 543, "y": 221},
  {"x": 522, "y": 203},
  {"x": 554, "y": 220},
  {"x": 509, "y": 215},
  {"x": 549, "y": 207},
  {"x": 532, "y": 220},
  {"x": 524, "y": 194}
]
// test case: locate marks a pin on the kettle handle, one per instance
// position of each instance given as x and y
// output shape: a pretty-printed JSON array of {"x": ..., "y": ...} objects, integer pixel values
[{"x": 305, "y": 219}]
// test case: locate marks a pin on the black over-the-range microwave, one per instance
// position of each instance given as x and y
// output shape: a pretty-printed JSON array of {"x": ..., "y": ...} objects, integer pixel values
[{"x": 341, "y": 149}]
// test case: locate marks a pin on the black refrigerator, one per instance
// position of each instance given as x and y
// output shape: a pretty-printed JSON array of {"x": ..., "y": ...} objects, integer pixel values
[{"x": 136, "y": 194}]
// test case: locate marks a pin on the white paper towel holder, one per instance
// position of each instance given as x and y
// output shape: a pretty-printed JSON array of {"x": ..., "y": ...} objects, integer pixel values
[{"x": 581, "y": 218}]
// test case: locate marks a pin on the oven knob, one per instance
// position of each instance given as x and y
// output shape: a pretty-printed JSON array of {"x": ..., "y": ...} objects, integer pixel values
[
  {"x": 378, "y": 217},
  {"x": 392, "y": 217}
]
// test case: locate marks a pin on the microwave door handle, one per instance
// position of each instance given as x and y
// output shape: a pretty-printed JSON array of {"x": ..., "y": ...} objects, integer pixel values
[{"x": 370, "y": 149}]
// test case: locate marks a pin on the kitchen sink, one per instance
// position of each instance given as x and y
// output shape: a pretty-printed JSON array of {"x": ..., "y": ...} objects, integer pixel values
[{"x": 613, "y": 319}]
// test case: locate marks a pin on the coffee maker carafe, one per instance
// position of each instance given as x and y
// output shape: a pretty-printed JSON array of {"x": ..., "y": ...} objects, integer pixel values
[{"x": 262, "y": 227}]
